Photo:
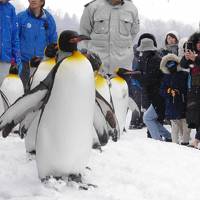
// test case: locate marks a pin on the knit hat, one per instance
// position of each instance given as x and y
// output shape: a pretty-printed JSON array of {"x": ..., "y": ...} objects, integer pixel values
[
  {"x": 147, "y": 35},
  {"x": 147, "y": 45}
]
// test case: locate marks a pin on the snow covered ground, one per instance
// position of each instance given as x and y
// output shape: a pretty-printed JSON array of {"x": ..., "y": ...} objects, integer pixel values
[{"x": 134, "y": 168}]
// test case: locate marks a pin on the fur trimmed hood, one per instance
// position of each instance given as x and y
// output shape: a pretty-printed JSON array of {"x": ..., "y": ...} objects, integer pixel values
[{"x": 165, "y": 59}]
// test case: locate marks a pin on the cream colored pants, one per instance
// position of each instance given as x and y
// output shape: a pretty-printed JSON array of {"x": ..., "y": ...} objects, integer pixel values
[{"x": 180, "y": 131}]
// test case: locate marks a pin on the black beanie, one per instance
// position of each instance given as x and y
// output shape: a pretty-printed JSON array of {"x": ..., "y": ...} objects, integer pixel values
[{"x": 149, "y": 36}]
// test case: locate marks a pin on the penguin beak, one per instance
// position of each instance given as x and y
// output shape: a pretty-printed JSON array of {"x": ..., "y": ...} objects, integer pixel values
[
  {"x": 84, "y": 37},
  {"x": 75, "y": 40}
]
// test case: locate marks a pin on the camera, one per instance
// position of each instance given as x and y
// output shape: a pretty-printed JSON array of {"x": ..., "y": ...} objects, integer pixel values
[{"x": 188, "y": 46}]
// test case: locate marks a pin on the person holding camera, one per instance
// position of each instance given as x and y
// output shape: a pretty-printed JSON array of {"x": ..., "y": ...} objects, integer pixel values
[
  {"x": 37, "y": 29},
  {"x": 191, "y": 60}
]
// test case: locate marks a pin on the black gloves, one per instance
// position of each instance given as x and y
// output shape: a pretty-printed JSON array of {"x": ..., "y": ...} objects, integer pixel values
[{"x": 51, "y": 50}]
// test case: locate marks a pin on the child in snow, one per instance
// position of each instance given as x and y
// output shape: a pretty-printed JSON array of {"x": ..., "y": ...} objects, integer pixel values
[{"x": 174, "y": 91}]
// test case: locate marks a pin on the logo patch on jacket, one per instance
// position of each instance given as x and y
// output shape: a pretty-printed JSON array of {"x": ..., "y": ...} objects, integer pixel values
[{"x": 28, "y": 25}]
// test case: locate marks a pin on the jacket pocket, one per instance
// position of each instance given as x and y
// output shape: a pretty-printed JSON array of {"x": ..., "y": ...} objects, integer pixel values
[
  {"x": 101, "y": 24},
  {"x": 126, "y": 22}
]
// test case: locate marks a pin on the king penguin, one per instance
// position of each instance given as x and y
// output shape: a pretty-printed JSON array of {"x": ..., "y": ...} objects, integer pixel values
[
  {"x": 120, "y": 99},
  {"x": 105, "y": 121},
  {"x": 29, "y": 125},
  {"x": 67, "y": 99},
  {"x": 12, "y": 87}
]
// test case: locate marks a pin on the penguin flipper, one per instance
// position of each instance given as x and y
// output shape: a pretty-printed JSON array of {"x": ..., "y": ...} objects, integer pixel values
[
  {"x": 109, "y": 115},
  {"x": 6, "y": 102},
  {"x": 16, "y": 112},
  {"x": 132, "y": 105},
  {"x": 34, "y": 100},
  {"x": 26, "y": 122}
]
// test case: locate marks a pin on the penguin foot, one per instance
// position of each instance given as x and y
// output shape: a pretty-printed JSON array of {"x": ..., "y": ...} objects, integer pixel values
[
  {"x": 55, "y": 183},
  {"x": 88, "y": 168},
  {"x": 75, "y": 177},
  {"x": 114, "y": 135},
  {"x": 73, "y": 180},
  {"x": 31, "y": 155}
]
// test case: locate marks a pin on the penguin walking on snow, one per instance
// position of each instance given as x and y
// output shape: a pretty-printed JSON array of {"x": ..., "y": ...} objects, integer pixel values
[
  {"x": 28, "y": 126},
  {"x": 12, "y": 88},
  {"x": 120, "y": 99},
  {"x": 12, "y": 85},
  {"x": 105, "y": 121},
  {"x": 67, "y": 98}
]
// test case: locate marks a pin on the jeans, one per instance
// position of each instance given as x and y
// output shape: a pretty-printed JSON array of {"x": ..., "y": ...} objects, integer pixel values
[{"x": 156, "y": 129}]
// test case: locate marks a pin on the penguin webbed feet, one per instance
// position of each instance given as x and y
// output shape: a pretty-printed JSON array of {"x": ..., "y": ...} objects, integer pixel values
[
  {"x": 97, "y": 146},
  {"x": 6, "y": 130},
  {"x": 73, "y": 180},
  {"x": 114, "y": 135}
]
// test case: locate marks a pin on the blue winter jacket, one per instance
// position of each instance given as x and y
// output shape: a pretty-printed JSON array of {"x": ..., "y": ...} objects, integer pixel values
[
  {"x": 35, "y": 33},
  {"x": 175, "y": 106},
  {"x": 9, "y": 39}
]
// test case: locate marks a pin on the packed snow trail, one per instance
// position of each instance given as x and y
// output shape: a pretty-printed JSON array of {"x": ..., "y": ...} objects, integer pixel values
[{"x": 133, "y": 168}]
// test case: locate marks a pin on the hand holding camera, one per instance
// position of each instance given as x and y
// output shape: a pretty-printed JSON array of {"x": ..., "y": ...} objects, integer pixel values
[{"x": 189, "y": 51}]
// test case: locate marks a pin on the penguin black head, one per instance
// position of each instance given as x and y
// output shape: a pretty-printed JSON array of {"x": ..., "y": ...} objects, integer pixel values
[
  {"x": 13, "y": 69},
  {"x": 68, "y": 40}
]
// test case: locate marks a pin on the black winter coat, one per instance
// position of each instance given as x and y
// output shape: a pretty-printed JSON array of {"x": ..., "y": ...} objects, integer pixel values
[
  {"x": 193, "y": 97},
  {"x": 150, "y": 80}
]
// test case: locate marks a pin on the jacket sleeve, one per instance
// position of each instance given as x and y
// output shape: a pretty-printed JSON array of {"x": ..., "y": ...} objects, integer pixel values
[
  {"x": 197, "y": 61},
  {"x": 185, "y": 63},
  {"x": 52, "y": 31},
  {"x": 136, "y": 23},
  {"x": 15, "y": 39},
  {"x": 163, "y": 88},
  {"x": 86, "y": 24}
]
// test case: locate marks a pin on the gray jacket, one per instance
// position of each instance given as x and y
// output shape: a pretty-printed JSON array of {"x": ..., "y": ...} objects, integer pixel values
[{"x": 112, "y": 30}]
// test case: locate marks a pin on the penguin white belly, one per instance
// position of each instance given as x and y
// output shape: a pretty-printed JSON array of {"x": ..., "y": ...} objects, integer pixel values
[
  {"x": 120, "y": 97},
  {"x": 43, "y": 69},
  {"x": 12, "y": 87},
  {"x": 65, "y": 133}
]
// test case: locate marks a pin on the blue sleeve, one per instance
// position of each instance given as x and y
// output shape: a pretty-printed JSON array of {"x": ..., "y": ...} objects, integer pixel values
[
  {"x": 52, "y": 31},
  {"x": 15, "y": 38},
  {"x": 163, "y": 88}
]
